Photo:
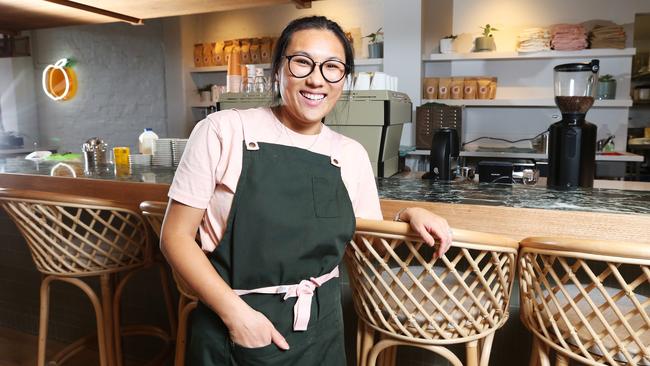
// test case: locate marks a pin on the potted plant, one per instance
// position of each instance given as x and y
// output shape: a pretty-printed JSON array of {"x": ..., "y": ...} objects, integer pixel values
[
  {"x": 447, "y": 44},
  {"x": 376, "y": 44},
  {"x": 606, "y": 87},
  {"x": 485, "y": 42},
  {"x": 205, "y": 94}
]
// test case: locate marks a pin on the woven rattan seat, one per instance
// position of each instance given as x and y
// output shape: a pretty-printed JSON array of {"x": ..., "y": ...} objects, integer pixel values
[
  {"x": 624, "y": 304},
  {"x": 406, "y": 296},
  {"x": 71, "y": 238},
  {"x": 419, "y": 297},
  {"x": 155, "y": 212},
  {"x": 587, "y": 300}
]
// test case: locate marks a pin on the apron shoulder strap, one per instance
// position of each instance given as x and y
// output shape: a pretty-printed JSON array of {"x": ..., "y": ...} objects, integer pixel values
[
  {"x": 250, "y": 141},
  {"x": 335, "y": 154}
]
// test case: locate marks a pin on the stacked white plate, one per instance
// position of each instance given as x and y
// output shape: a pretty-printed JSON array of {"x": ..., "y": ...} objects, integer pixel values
[
  {"x": 140, "y": 159},
  {"x": 178, "y": 146},
  {"x": 162, "y": 155}
]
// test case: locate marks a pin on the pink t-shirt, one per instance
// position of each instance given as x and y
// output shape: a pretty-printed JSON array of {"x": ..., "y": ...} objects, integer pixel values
[{"x": 209, "y": 170}]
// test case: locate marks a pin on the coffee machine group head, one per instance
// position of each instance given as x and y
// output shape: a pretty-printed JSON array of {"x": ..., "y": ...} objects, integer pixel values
[
  {"x": 444, "y": 155},
  {"x": 572, "y": 141}
]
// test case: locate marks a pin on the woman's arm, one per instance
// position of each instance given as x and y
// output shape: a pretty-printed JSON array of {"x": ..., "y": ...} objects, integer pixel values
[
  {"x": 428, "y": 225},
  {"x": 248, "y": 328}
]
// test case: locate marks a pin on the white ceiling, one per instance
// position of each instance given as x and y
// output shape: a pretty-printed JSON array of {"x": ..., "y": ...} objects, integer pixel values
[{"x": 17, "y": 15}]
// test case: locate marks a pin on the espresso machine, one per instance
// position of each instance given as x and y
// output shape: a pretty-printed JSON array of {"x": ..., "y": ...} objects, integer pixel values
[
  {"x": 444, "y": 155},
  {"x": 572, "y": 141}
]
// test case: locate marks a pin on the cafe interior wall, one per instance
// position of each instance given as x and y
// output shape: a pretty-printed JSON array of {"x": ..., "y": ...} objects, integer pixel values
[
  {"x": 121, "y": 90},
  {"x": 512, "y": 16},
  {"x": 254, "y": 22},
  {"x": 640, "y": 115},
  {"x": 121, "y": 74},
  {"x": 16, "y": 87}
]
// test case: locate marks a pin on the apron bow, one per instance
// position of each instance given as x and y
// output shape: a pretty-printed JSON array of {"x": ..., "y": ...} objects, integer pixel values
[{"x": 304, "y": 291}]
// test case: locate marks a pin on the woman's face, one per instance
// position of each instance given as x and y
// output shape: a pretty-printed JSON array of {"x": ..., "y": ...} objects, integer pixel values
[{"x": 305, "y": 101}]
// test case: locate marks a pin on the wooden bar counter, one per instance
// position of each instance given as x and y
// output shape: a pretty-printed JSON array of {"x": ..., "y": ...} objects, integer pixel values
[{"x": 517, "y": 211}]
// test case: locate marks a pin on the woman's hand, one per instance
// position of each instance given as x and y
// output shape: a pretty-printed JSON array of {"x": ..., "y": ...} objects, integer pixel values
[
  {"x": 428, "y": 224},
  {"x": 254, "y": 330}
]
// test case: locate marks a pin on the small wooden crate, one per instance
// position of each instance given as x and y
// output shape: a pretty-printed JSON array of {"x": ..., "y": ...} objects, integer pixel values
[{"x": 431, "y": 117}]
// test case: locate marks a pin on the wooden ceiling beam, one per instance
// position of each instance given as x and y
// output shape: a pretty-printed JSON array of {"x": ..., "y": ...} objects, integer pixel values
[
  {"x": 92, "y": 9},
  {"x": 302, "y": 4},
  {"x": 9, "y": 32}
]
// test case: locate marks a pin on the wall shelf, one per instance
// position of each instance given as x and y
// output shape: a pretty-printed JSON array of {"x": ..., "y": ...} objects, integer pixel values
[
  {"x": 357, "y": 62},
  {"x": 478, "y": 56},
  {"x": 368, "y": 61},
  {"x": 223, "y": 68},
  {"x": 203, "y": 104},
  {"x": 524, "y": 102},
  {"x": 623, "y": 157}
]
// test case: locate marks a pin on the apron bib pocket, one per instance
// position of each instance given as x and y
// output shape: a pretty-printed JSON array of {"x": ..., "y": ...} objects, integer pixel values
[{"x": 325, "y": 192}]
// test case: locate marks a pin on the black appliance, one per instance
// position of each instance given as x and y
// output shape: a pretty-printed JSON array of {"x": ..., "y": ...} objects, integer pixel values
[
  {"x": 444, "y": 155},
  {"x": 495, "y": 172},
  {"x": 572, "y": 141}
]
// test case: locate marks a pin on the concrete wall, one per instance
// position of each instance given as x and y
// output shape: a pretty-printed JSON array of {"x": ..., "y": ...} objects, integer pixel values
[
  {"x": 121, "y": 75},
  {"x": 18, "y": 112}
]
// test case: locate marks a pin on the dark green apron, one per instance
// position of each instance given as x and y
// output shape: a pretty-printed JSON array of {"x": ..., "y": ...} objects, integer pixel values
[{"x": 290, "y": 220}]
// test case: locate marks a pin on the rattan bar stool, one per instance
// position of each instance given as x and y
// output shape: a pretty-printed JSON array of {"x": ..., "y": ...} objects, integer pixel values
[
  {"x": 188, "y": 300},
  {"x": 72, "y": 238},
  {"x": 407, "y": 297},
  {"x": 587, "y": 300}
]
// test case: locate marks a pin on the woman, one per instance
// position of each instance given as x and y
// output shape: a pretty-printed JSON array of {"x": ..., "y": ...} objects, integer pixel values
[{"x": 274, "y": 194}]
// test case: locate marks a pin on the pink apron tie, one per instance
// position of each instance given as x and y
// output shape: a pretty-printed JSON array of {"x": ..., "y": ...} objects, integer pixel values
[{"x": 304, "y": 291}]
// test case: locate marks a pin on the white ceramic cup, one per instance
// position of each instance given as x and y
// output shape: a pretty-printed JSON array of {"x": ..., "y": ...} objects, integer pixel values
[
  {"x": 205, "y": 96},
  {"x": 362, "y": 81},
  {"x": 380, "y": 81}
]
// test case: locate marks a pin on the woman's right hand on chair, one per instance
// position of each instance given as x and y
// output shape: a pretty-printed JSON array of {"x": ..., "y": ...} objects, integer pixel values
[{"x": 254, "y": 330}]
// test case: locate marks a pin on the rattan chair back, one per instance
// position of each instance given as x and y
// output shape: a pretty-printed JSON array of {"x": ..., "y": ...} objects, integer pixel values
[
  {"x": 74, "y": 236},
  {"x": 154, "y": 212},
  {"x": 400, "y": 289},
  {"x": 586, "y": 299}
]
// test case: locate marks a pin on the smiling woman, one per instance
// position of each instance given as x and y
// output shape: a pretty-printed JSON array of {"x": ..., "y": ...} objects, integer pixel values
[{"x": 274, "y": 194}]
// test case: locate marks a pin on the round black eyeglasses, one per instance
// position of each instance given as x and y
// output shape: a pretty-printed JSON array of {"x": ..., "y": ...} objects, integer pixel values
[{"x": 301, "y": 66}]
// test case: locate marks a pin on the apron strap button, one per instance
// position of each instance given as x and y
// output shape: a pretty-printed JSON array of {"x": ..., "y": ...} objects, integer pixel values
[
  {"x": 335, "y": 162},
  {"x": 252, "y": 146}
]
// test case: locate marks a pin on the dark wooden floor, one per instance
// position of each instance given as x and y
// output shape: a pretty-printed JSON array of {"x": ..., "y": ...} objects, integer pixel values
[{"x": 20, "y": 349}]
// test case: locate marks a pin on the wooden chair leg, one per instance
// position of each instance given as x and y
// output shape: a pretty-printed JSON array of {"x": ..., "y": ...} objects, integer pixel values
[
  {"x": 103, "y": 342},
  {"x": 561, "y": 360},
  {"x": 377, "y": 349},
  {"x": 486, "y": 349},
  {"x": 534, "y": 353},
  {"x": 181, "y": 336},
  {"x": 472, "y": 353},
  {"x": 367, "y": 342},
  {"x": 383, "y": 359},
  {"x": 106, "y": 285},
  {"x": 43, "y": 319},
  {"x": 360, "y": 327},
  {"x": 115, "y": 316},
  {"x": 169, "y": 302},
  {"x": 391, "y": 356}
]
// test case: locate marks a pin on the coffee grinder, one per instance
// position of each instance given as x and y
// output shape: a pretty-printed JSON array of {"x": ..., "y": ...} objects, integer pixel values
[
  {"x": 572, "y": 141},
  {"x": 443, "y": 160}
]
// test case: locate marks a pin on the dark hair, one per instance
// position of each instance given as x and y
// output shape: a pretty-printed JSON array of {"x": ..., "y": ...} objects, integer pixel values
[{"x": 312, "y": 22}]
